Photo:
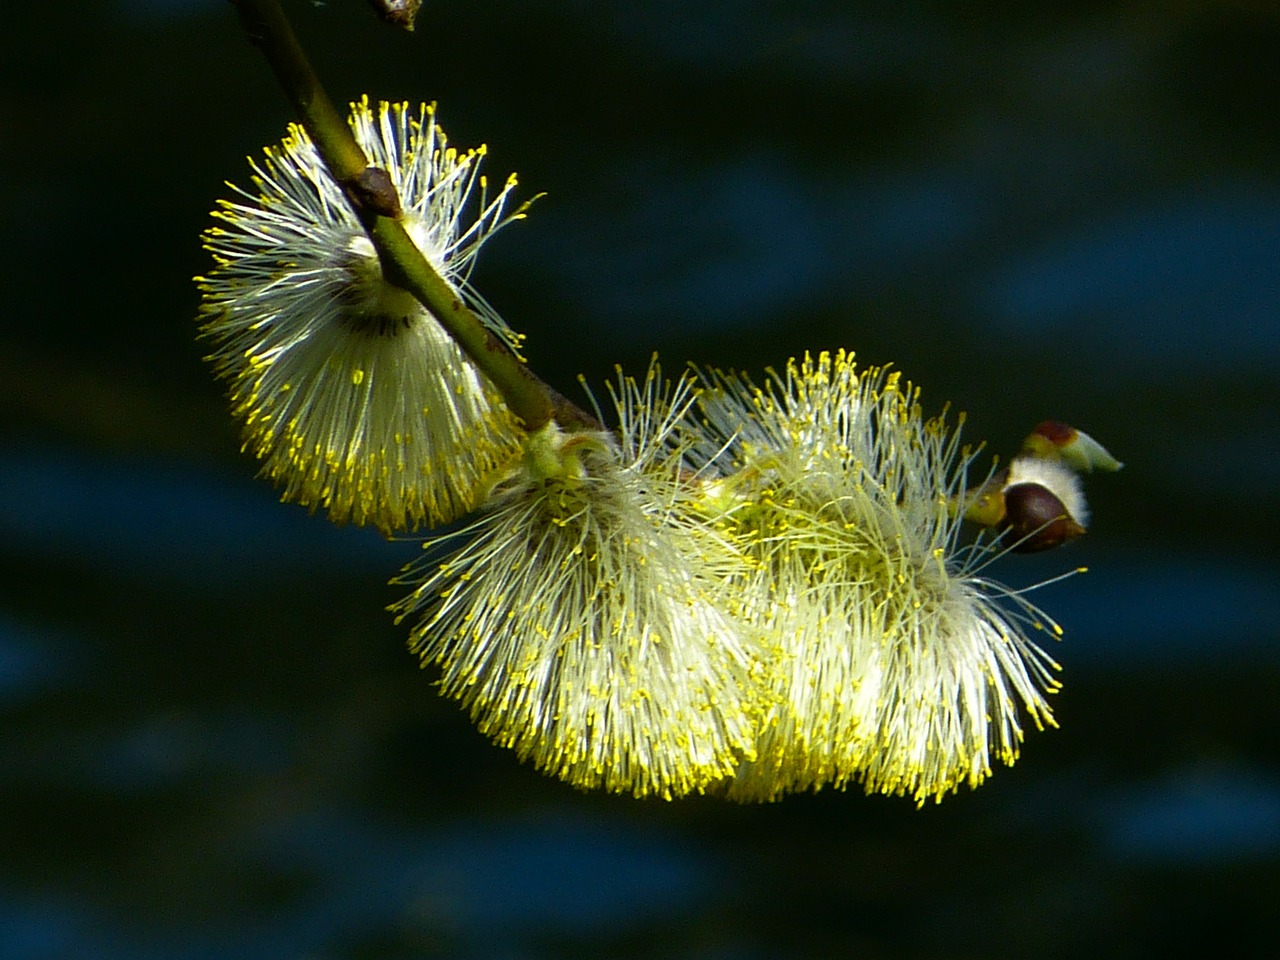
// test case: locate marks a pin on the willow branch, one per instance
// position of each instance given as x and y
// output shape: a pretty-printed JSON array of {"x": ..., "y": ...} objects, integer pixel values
[{"x": 373, "y": 198}]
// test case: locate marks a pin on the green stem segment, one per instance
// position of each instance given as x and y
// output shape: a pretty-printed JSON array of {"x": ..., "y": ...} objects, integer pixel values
[{"x": 373, "y": 198}]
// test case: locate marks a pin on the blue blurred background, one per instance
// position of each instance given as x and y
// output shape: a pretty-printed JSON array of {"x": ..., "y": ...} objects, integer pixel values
[{"x": 212, "y": 741}]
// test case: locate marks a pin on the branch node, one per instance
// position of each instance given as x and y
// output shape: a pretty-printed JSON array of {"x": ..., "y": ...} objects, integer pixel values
[{"x": 372, "y": 192}]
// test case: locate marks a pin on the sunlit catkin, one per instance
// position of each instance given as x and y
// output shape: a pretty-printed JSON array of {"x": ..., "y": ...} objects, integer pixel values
[
  {"x": 580, "y": 620},
  {"x": 902, "y": 668},
  {"x": 351, "y": 393}
]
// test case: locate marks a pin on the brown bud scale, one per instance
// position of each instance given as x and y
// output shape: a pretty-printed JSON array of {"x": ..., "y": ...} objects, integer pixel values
[
  {"x": 1036, "y": 519},
  {"x": 1056, "y": 432}
]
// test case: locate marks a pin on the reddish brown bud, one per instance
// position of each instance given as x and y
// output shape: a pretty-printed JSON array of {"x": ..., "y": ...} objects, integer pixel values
[
  {"x": 373, "y": 190},
  {"x": 1036, "y": 519},
  {"x": 1056, "y": 432}
]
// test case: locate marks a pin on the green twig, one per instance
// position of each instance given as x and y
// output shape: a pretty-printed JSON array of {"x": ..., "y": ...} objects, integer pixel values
[{"x": 373, "y": 198}]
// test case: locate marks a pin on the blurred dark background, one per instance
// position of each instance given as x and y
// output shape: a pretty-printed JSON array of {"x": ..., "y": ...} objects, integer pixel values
[{"x": 212, "y": 741}]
